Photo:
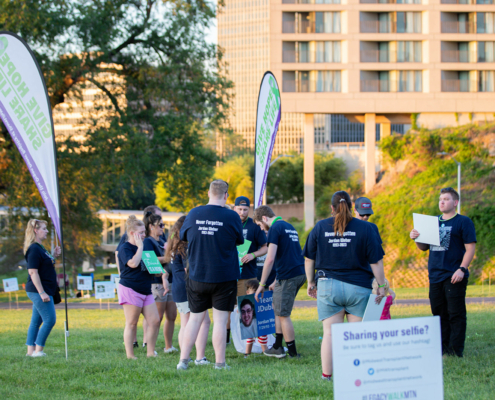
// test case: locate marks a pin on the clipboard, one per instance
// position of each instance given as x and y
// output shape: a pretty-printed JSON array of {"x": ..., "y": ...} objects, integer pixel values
[
  {"x": 427, "y": 226},
  {"x": 373, "y": 311}
]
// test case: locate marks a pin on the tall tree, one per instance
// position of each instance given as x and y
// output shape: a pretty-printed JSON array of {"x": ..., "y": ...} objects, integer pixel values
[{"x": 167, "y": 95}]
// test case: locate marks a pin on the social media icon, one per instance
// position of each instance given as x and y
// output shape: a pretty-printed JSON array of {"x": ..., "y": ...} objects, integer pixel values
[
  {"x": 371, "y": 371},
  {"x": 356, "y": 362},
  {"x": 357, "y": 383}
]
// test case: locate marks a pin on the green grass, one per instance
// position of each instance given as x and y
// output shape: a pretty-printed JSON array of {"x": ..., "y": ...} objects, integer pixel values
[{"x": 97, "y": 367}]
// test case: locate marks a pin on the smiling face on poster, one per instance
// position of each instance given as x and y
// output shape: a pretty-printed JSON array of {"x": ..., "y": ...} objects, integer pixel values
[
  {"x": 104, "y": 290},
  {"x": 84, "y": 282},
  {"x": 10, "y": 285},
  {"x": 256, "y": 318},
  {"x": 393, "y": 359}
]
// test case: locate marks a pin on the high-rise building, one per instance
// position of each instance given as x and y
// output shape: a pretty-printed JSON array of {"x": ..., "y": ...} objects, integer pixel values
[{"x": 372, "y": 61}]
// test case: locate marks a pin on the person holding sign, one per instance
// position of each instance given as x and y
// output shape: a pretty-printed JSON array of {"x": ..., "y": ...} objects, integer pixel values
[
  {"x": 448, "y": 271},
  {"x": 135, "y": 289},
  {"x": 251, "y": 286},
  {"x": 41, "y": 286},
  {"x": 177, "y": 252},
  {"x": 213, "y": 233},
  {"x": 346, "y": 254},
  {"x": 255, "y": 240},
  {"x": 284, "y": 252},
  {"x": 161, "y": 283}
]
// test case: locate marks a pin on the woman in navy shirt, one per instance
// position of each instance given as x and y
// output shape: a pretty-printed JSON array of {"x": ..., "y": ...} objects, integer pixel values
[
  {"x": 135, "y": 289},
  {"x": 41, "y": 286},
  {"x": 177, "y": 253},
  {"x": 346, "y": 254}
]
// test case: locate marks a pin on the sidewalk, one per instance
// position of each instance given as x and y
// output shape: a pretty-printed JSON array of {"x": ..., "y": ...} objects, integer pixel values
[{"x": 297, "y": 304}]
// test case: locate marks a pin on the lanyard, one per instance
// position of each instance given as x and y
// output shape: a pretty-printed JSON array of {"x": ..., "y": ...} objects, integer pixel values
[
  {"x": 276, "y": 219},
  {"x": 244, "y": 224},
  {"x": 47, "y": 252},
  {"x": 443, "y": 220}
]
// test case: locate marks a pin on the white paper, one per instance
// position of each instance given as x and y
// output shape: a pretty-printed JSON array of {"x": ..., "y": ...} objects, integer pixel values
[
  {"x": 84, "y": 282},
  {"x": 427, "y": 226},
  {"x": 104, "y": 290},
  {"x": 374, "y": 311},
  {"x": 10, "y": 285},
  {"x": 391, "y": 359}
]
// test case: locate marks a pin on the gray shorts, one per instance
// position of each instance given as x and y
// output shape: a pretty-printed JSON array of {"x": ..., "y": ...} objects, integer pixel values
[
  {"x": 157, "y": 290},
  {"x": 285, "y": 293},
  {"x": 183, "y": 307}
]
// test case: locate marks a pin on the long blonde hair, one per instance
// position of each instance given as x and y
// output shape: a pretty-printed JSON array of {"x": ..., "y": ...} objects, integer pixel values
[
  {"x": 30, "y": 236},
  {"x": 132, "y": 224}
]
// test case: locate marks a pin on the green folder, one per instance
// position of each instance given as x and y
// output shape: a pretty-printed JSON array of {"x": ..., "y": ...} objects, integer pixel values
[
  {"x": 151, "y": 262},
  {"x": 243, "y": 249}
]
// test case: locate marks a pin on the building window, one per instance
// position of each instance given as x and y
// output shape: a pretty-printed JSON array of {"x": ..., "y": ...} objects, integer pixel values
[
  {"x": 310, "y": 1},
  {"x": 409, "y": 51},
  {"x": 456, "y": 52},
  {"x": 327, "y": 81},
  {"x": 409, "y": 22},
  {"x": 311, "y": 81},
  {"x": 310, "y": 52},
  {"x": 410, "y": 81},
  {"x": 311, "y": 22},
  {"x": 457, "y": 81},
  {"x": 485, "y": 22},
  {"x": 486, "y": 81},
  {"x": 486, "y": 51},
  {"x": 375, "y": 81}
]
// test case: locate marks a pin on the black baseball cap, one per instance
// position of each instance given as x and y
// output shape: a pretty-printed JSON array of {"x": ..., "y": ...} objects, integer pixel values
[
  {"x": 242, "y": 201},
  {"x": 363, "y": 206}
]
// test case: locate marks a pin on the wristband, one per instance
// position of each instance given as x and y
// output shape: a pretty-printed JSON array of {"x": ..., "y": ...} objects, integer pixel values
[
  {"x": 253, "y": 255},
  {"x": 380, "y": 286},
  {"x": 262, "y": 284},
  {"x": 42, "y": 293}
]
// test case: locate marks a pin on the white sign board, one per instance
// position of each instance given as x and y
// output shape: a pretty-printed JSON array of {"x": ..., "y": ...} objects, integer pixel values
[
  {"x": 113, "y": 276},
  {"x": 374, "y": 311},
  {"x": 427, "y": 226},
  {"x": 391, "y": 359},
  {"x": 84, "y": 282},
  {"x": 10, "y": 285},
  {"x": 104, "y": 290}
]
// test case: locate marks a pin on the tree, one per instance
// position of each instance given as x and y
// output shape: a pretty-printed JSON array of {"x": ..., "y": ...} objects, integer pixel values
[
  {"x": 235, "y": 172},
  {"x": 168, "y": 97}
]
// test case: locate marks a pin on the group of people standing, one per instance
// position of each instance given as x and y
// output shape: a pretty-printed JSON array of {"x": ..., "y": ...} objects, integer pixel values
[{"x": 341, "y": 260}]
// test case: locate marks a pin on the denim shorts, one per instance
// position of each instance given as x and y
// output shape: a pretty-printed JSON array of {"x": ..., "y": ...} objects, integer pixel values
[{"x": 333, "y": 296}]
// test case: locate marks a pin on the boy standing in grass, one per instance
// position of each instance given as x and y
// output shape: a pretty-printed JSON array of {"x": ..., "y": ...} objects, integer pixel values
[
  {"x": 448, "y": 271},
  {"x": 284, "y": 253}
]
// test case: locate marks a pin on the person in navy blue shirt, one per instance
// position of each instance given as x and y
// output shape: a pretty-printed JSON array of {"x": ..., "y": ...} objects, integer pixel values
[
  {"x": 213, "y": 233},
  {"x": 41, "y": 286},
  {"x": 135, "y": 289},
  {"x": 346, "y": 254},
  {"x": 448, "y": 271},
  {"x": 284, "y": 254},
  {"x": 177, "y": 253}
]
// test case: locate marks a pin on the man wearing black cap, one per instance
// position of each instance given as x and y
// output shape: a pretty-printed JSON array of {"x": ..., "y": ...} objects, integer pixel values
[
  {"x": 363, "y": 209},
  {"x": 258, "y": 248}
]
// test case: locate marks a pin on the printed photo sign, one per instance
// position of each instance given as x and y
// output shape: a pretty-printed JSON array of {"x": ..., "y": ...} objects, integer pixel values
[
  {"x": 104, "y": 290},
  {"x": 256, "y": 318},
  {"x": 10, "y": 285},
  {"x": 84, "y": 282}
]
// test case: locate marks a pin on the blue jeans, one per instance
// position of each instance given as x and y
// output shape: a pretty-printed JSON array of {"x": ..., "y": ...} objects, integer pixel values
[{"x": 43, "y": 313}]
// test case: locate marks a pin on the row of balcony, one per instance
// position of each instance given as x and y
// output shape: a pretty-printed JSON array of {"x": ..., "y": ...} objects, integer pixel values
[{"x": 388, "y": 22}]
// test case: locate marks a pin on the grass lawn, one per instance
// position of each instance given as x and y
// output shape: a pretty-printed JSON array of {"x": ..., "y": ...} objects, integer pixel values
[{"x": 97, "y": 367}]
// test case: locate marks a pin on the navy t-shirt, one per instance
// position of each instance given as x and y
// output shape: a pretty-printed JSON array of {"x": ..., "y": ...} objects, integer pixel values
[
  {"x": 137, "y": 279},
  {"x": 375, "y": 228},
  {"x": 39, "y": 258},
  {"x": 346, "y": 258},
  {"x": 179, "y": 293},
  {"x": 162, "y": 240},
  {"x": 213, "y": 233},
  {"x": 150, "y": 244},
  {"x": 289, "y": 261},
  {"x": 260, "y": 262},
  {"x": 445, "y": 259},
  {"x": 257, "y": 237}
]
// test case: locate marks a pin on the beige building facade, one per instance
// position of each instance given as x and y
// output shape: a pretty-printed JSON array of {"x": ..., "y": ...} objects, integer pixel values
[{"x": 374, "y": 61}]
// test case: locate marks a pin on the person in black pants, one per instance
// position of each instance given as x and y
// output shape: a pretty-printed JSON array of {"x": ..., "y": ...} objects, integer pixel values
[{"x": 448, "y": 271}]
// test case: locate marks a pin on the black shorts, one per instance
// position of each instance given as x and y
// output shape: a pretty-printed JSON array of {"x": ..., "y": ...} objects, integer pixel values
[{"x": 202, "y": 296}]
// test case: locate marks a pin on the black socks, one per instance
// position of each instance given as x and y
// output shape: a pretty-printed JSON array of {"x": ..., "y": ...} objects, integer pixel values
[
  {"x": 278, "y": 340},
  {"x": 292, "y": 348},
  {"x": 228, "y": 336}
]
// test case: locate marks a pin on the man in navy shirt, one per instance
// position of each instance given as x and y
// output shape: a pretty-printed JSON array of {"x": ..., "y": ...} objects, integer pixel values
[
  {"x": 363, "y": 210},
  {"x": 448, "y": 271},
  {"x": 213, "y": 233},
  {"x": 284, "y": 252}
]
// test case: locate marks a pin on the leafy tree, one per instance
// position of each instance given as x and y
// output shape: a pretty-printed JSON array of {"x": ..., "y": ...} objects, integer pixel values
[
  {"x": 236, "y": 172},
  {"x": 168, "y": 97}
]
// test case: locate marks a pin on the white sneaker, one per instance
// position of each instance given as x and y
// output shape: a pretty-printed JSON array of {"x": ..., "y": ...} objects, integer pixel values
[
  {"x": 171, "y": 350},
  {"x": 203, "y": 361},
  {"x": 222, "y": 366},
  {"x": 39, "y": 354},
  {"x": 182, "y": 366}
]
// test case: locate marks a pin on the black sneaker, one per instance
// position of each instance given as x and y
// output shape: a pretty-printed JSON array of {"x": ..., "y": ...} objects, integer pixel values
[
  {"x": 279, "y": 353},
  {"x": 297, "y": 356},
  {"x": 135, "y": 344}
]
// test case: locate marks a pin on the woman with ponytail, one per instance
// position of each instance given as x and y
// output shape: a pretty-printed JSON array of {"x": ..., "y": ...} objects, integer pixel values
[
  {"x": 41, "y": 286},
  {"x": 346, "y": 254},
  {"x": 160, "y": 287},
  {"x": 135, "y": 289}
]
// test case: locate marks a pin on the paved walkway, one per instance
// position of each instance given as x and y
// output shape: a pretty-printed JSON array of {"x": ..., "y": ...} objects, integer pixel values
[{"x": 298, "y": 304}]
